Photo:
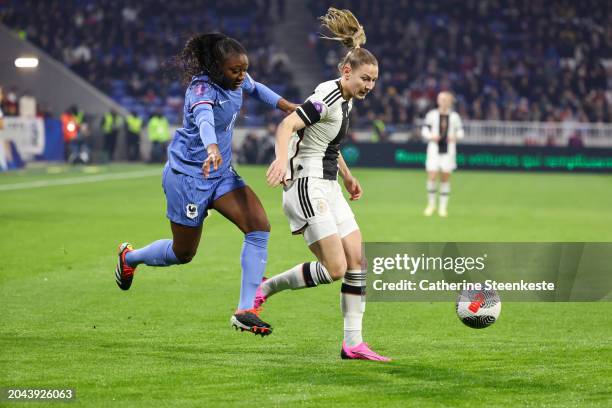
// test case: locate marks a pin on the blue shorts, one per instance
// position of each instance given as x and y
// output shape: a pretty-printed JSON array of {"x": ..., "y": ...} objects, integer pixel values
[{"x": 188, "y": 198}]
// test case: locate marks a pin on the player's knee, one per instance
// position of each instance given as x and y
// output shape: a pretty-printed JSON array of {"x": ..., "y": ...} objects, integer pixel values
[
  {"x": 336, "y": 268},
  {"x": 184, "y": 256},
  {"x": 258, "y": 224},
  {"x": 355, "y": 263}
]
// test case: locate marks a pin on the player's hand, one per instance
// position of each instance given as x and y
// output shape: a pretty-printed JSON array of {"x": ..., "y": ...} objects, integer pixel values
[
  {"x": 213, "y": 160},
  {"x": 435, "y": 138},
  {"x": 353, "y": 187},
  {"x": 292, "y": 107},
  {"x": 452, "y": 138},
  {"x": 287, "y": 106},
  {"x": 276, "y": 172}
]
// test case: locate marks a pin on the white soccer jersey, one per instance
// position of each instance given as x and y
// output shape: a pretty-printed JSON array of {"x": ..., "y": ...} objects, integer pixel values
[
  {"x": 314, "y": 150},
  {"x": 443, "y": 126}
]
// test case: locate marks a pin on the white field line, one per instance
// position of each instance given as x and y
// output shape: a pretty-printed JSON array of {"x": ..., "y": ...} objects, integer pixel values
[{"x": 80, "y": 180}]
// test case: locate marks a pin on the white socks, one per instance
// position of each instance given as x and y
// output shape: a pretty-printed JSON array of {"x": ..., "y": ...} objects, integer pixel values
[
  {"x": 352, "y": 304},
  {"x": 444, "y": 194},
  {"x": 352, "y": 293},
  {"x": 304, "y": 275},
  {"x": 431, "y": 193}
]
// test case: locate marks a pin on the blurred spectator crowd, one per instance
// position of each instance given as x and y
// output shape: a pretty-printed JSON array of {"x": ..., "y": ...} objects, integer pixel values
[
  {"x": 519, "y": 60},
  {"x": 125, "y": 48}
]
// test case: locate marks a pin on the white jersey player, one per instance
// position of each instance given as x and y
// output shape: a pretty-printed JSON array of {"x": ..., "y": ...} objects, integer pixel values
[
  {"x": 307, "y": 163},
  {"x": 442, "y": 129}
]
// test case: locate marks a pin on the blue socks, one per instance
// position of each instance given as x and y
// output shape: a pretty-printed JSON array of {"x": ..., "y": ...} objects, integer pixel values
[
  {"x": 158, "y": 253},
  {"x": 253, "y": 261}
]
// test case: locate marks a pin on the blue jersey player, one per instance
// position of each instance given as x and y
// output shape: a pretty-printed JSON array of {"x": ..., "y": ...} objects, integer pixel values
[{"x": 199, "y": 176}]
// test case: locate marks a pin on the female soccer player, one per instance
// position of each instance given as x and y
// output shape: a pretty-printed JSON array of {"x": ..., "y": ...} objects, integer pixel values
[
  {"x": 199, "y": 175},
  {"x": 441, "y": 130},
  {"x": 312, "y": 198}
]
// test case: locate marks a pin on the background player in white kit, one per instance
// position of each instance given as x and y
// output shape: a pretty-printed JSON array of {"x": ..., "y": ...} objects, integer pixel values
[
  {"x": 442, "y": 129},
  {"x": 312, "y": 198}
]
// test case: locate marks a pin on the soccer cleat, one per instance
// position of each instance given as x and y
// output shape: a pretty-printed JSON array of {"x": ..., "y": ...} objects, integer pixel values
[
  {"x": 260, "y": 298},
  {"x": 124, "y": 273},
  {"x": 428, "y": 212},
  {"x": 249, "y": 320},
  {"x": 360, "y": 352},
  {"x": 443, "y": 213}
]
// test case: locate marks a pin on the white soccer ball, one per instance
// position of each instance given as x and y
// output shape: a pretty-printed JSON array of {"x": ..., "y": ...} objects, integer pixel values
[{"x": 478, "y": 308}]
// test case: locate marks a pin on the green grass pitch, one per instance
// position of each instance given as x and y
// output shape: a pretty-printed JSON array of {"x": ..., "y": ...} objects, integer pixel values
[{"x": 167, "y": 341}]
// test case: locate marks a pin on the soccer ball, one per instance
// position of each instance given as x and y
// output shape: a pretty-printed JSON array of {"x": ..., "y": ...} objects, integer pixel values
[{"x": 478, "y": 308}]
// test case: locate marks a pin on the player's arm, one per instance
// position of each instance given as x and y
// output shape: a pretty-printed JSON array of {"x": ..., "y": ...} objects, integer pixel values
[
  {"x": 264, "y": 94},
  {"x": 427, "y": 129},
  {"x": 458, "y": 132},
  {"x": 350, "y": 183},
  {"x": 277, "y": 170},
  {"x": 205, "y": 120}
]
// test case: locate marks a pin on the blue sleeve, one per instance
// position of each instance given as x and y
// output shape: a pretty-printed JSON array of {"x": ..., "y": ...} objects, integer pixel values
[
  {"x": 201, "y": 93},
  {"x": 202, "y": 98},
  {"x": 205, "y": 119},
  {"x": 260, "y": 91}
]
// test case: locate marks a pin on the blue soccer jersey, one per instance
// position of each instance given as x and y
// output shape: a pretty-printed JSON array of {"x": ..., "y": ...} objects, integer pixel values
[{"x": 209, "y": 115}]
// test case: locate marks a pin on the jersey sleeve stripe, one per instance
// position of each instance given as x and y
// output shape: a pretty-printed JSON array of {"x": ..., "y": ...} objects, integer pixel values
[
  {"x": 211, "y": 103},
  {"x": 334, "y": 100},
  {"x": 331, "y": 95},
  {"x": 303, "y": 116}
]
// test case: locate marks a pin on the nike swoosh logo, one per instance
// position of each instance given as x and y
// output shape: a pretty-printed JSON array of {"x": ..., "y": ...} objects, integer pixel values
[{"x": 222, "y": 102}]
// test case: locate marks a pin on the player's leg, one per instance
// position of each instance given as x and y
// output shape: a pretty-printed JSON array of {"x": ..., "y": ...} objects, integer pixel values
[
  {"x": 432, "y": 192},
  {"x": 238, "y": 203},
  {"x": 431, "y": 166},
  {"x": 164, "y": 252},
  {"x": 352, "y": 295},
  {"x": 186, "y": 225},
  {"x": 243, "y": 208},
  {"x": 352, "y": 291},
  {"x": 444, "y": 193},
  {"x": 330, "y": 266},
  {"x": 305, "y": 202}
]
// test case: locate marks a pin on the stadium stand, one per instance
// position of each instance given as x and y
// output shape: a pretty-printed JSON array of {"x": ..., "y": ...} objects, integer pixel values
[
  {"x": 125, "y": 48},
  {"x": 514, "y": 60}
]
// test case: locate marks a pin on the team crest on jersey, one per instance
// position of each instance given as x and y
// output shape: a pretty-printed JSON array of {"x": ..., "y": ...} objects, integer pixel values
[
  {"x": 200, "y": 89},
  {"x": 191, "y": 211},
  {"x": 318, "y": 106}
]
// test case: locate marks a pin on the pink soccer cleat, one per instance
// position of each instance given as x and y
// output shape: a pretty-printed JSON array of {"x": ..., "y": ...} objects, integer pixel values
[
  {"x": 360, "y": 352},
  {"x": 260, "y": 298}
]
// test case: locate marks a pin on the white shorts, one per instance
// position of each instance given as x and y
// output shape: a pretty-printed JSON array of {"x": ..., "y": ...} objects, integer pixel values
[
  {"x": 317, "y": 208},
  {"x": 444, "y": 162}
]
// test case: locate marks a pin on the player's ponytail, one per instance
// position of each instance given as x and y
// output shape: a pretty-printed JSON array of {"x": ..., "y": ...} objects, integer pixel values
[
  {"x": 204, "y": 54},
  {"x": 346, "y": 29}
]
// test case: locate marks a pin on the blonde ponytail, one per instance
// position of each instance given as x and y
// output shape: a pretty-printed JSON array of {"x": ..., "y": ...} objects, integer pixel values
[{"x": 344, "y": 26}]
